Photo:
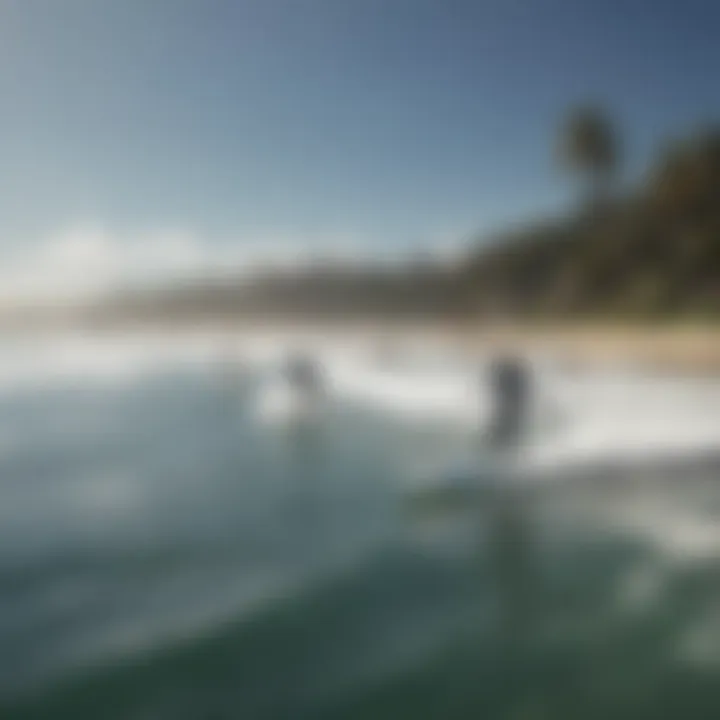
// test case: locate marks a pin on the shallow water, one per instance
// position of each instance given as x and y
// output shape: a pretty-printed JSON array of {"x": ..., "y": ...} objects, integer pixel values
[{"x": 168, "y": 552}]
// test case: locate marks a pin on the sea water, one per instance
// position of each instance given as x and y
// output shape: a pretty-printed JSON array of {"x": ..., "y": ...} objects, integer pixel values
[{"x": 169, "y": 550}]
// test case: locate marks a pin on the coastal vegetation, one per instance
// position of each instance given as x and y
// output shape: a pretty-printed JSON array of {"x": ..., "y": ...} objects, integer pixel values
[{"x": 648, "y": 252}]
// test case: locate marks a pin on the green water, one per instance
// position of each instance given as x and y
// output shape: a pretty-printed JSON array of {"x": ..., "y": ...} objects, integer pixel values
[{"x": 163, "y": 554}]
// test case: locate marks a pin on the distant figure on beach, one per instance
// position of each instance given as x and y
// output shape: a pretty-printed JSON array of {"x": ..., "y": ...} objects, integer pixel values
[{"x": 510, "y": 401}]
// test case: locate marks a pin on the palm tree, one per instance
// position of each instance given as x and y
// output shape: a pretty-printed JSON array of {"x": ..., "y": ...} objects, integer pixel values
[{"x": 589, "y": 147}]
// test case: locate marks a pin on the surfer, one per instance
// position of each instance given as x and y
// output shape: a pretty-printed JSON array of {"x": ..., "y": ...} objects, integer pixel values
[
  {"x": 510, "y": 398},
  {"x": 303, "y": 374}
]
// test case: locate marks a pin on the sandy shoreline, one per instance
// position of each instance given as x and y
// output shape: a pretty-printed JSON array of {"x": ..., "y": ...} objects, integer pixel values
[
  {"x": 678, "y": 348},
  {"x": 673, "y": 349},
  {"x": 687, "y": 349}
]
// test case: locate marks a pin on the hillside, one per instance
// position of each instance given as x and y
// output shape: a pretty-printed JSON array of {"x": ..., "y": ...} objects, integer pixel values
[{"x": 652, "y": 254}]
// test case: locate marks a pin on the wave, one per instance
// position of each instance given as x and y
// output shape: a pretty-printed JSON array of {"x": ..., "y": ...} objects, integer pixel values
[
  {"x": 589, "y": 417},
  {"x": 288, "y": 650},
  {"x": 577, "y": 416}
]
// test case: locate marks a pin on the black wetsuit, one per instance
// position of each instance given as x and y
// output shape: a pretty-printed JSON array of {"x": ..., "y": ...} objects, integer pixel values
[{"x": 510, "y": 390}]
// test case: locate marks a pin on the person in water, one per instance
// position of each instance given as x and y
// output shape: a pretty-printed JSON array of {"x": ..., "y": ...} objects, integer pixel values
[
  {"x": 304, "y": 374},
  {"x": 510, "y": 398}
]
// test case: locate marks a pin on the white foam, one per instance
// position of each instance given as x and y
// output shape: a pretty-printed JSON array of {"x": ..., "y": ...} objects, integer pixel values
[
  {"x": 582, "y": 417},
  {"x": 278, "y": 403},
  {"x": 577, "y": 417}
]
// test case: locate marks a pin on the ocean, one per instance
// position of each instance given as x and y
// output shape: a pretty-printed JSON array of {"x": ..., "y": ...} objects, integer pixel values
[{"x": 173, "y": 545}]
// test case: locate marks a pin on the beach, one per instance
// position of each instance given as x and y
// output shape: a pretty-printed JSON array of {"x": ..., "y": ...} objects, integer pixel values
[{"x": 674, "y": 348}]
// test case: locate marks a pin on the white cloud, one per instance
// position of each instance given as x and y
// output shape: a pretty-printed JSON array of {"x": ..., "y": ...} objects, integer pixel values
[{"x": 86, "y": 259}]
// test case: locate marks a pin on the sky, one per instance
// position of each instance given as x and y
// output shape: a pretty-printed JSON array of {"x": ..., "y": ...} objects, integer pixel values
[{"x": 148, "y": 133}]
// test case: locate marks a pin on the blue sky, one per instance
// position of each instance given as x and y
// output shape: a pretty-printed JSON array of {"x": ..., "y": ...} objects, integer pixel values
[{"x": 389, "y": 123}]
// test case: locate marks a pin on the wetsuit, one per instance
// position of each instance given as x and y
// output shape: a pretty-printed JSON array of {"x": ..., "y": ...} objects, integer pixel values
[{"x": 510, "y": 391}]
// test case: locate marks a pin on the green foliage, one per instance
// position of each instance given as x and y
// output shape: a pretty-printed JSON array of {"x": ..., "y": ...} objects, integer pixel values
[{"x": 589, "y": 147}]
